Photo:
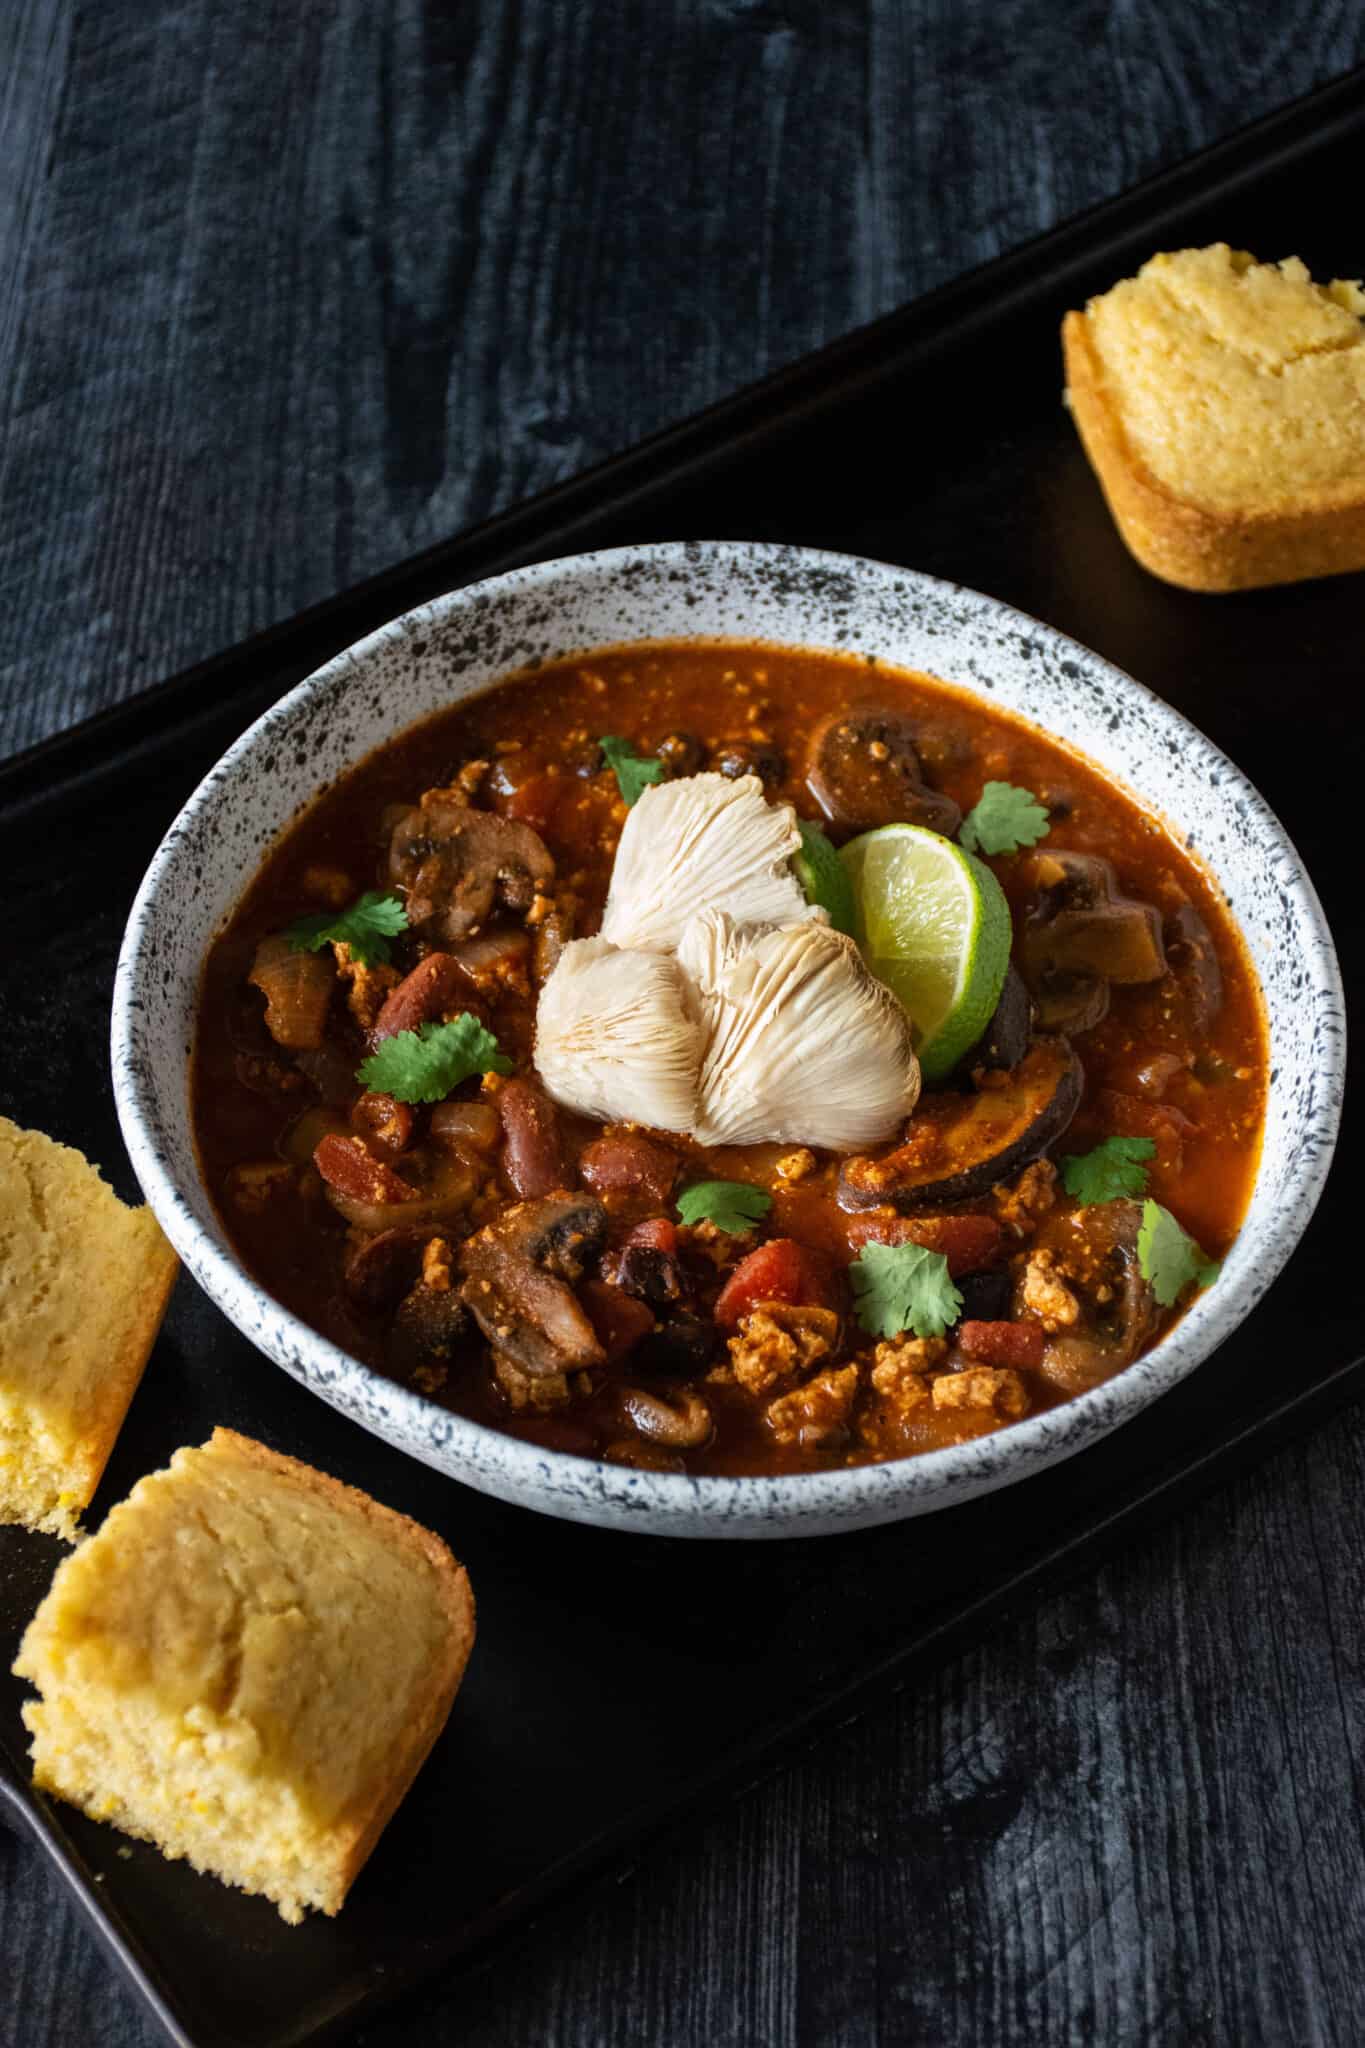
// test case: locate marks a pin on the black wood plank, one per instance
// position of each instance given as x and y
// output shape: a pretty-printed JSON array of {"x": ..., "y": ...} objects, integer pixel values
[{"x": 1132, "y": 1816}]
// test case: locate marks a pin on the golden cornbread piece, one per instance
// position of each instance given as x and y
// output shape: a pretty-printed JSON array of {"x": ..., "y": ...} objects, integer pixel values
[
  {"x": 84, "y": 1282},
  {"x": 247, "y": 1666},
  {"x": 1222, "y": 404}
]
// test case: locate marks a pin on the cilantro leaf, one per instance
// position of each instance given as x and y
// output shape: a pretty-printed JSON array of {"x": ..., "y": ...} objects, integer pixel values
[
  {"x": 732, "y": 1205},
  {"x": 1113, "y": 1169},
  {"x": 904, "y": 1287},
  {"x": 634, "y": 772},
  {"x": 425, "y": 1064},
  {"x": 372, "y": 920},
  {"x": 1003, "y": 819},
  {"x": 1168, "y": 1256}
]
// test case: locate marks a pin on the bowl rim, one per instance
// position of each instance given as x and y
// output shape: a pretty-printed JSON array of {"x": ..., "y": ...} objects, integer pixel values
[{"x": 848, "y": 1495}]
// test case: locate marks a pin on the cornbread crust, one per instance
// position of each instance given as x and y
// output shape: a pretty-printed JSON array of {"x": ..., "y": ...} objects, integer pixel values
[
  {"x": 84, "y": 1284},
  {"x": 247, "y": 1666},
  {"x": 1272, "y": 527}
]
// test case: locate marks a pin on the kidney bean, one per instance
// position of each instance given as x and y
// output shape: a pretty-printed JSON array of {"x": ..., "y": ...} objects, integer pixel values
[
  {"x": 626, "y": 1163},
  {"x": 1009, "y": 1344},
  {"x": 434, "y": 984},
  {"x": 533, "y": 1146}
]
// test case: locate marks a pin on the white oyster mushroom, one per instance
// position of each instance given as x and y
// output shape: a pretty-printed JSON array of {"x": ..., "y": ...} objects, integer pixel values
[
  {"x": 800, "y": 1043},
  {"x": 704, "y": 842},
  {"x": 617, "y": 1038}
]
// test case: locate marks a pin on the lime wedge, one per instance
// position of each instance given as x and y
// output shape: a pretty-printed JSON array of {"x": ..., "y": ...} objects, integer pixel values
[
  {"x": 822, "y": 876},
  {"x": 933, "y": 924}
]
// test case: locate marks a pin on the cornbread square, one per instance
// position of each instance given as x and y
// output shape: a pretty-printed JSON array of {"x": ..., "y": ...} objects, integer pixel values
[
  {"x": 247, "y": 1666},
  {"x": 1222, "y": 404},
  {"x": 84, "y": 1283}
]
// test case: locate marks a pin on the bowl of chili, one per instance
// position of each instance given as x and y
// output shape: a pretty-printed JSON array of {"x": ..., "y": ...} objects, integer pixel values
[{"x": 325, "y": 1053}]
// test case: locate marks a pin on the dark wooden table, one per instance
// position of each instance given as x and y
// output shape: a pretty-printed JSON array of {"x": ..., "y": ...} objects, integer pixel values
[{"x": 288, "y": 291}]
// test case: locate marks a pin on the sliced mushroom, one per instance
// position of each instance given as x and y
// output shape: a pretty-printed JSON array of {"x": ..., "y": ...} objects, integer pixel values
[
  {"x": 1006, "y": 1038},
  {"x": 615, "y": 1037},
  {"x": 533, "y": 1144},
  {"x": 432, "y": 1324},
  {"x": 382, "y": 1268},
  {"x": 1091, "y": 1254},
  {"x": 459, "y": 864},
  {"x": 863, "y": 770},
  {"x": 959, "y": 1147},
  {"x": 297, "y": 988},
  {"x": 517, "y": 1271},
  {"x": 699, "y": 843},
  {"x": 682, "y": 753},
  {"x": 1194, "y": 962},
  {"x": 799, "y": 1043},
  {"x": 682, "y": 1426},
  {"x": 1080, "y": 935},
  {"x": 744, "y": 756}
]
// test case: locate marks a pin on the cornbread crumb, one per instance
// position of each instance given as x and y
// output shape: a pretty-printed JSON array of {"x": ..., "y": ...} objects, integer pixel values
[
  {"x": 84, "y": 1282},
  {"x": 247, "y": 1666},
  {"x": 1222, "y": 403}
]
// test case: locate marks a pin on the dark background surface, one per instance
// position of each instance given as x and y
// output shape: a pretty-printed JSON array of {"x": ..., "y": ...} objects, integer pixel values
[{"x": 287, "y": 293}]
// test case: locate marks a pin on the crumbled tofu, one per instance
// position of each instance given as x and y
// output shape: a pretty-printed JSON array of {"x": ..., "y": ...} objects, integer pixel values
[
  {"x": 775, "y": 1342},
  {"x": 982, "y": 1386},
  {"x": 899, "y": 1366},
  {"x": 367, "y": 988},
  {"x": 796, "y": 1165},
  {"x": 436, "y": 1266},
  {"x": 539, "y": 1392},
  {"x": 1022, "y": 1203},
  {"x": 1046, "y": 1295},
  {"x": 814, "y": 1413}
]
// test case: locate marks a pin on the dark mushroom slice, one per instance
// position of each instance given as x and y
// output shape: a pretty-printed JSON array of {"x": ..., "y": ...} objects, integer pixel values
[
  {"x": 1080, "y": 929},
  {"x": 733, "y": 758},
  {"x": 381, "y": 1268},
  {"x": 518, "y": 1271},
  {"x": 1082, "y": 1280},
  {"x": 958, "y": 1147},
  {"x": 682, "y": 1346},
  {"x": 432, "y": 1325},
  {"x": 1193, "y": 960},
  {"x": 297, "y": 988},
  {"x": 458, "y": 865},
  {"x": 1006, "y": 1038},
  {"x": 682, "y": 753},
  {"x": 683, "y": 1423},
  {"x": 863, "y": 770}
]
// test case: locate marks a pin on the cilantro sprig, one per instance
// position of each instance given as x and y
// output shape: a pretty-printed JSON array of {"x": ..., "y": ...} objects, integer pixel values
[
  {"x": 1168, "y": 1257},
  {"x": 1114, "y": 1170},
  {"x": 366, "y": 927},
  {"x": 903, "y": 1287},
  {"x": 634, "y": 772},
  {"x": 426, "y": 1064},
  {"x": 732, "y": 1205},
  {"x": 1003, "y": 819}
]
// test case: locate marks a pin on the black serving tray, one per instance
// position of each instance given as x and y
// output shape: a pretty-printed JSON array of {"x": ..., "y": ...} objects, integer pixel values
[{"x": 619, "y": 1679}]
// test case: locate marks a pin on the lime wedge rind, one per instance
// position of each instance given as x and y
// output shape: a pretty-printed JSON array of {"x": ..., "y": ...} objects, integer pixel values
[{"x": 932, "y": 923}]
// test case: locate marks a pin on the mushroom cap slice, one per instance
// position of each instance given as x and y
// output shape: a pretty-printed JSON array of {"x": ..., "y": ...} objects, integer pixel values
[
  {"x": 800, "y": 1043},
  {"x": 704, "y": 842},
  {"x": 617, "y": 1038}
]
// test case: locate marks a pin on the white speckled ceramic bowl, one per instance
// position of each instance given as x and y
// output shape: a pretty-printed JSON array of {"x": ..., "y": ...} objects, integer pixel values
[{"x": 796, "y": 597}]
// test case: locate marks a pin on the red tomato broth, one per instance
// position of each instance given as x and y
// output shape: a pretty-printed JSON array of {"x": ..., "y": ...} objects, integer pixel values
[{"x": 539, "y": 730}]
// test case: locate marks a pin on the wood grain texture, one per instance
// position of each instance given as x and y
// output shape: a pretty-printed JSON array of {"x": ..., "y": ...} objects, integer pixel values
[{"x": 287, "y": 292}]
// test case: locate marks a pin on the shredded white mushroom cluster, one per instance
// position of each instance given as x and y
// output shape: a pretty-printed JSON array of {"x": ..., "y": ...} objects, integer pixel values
[{"x": 717, "y": 1000}]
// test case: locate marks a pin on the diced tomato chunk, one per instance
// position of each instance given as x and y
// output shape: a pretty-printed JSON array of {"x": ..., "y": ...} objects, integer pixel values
[
  {"x": 346, "y": 1165},
  {"x": 535, "y": 801},
  {"x": 655, "y": 1234},
  {"x": 1016, "y": 1344},
  {"x": 781, "y": 1270},
  {"x": 970, "y": 1243},
  {"x": 619, "y": 1320}
]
